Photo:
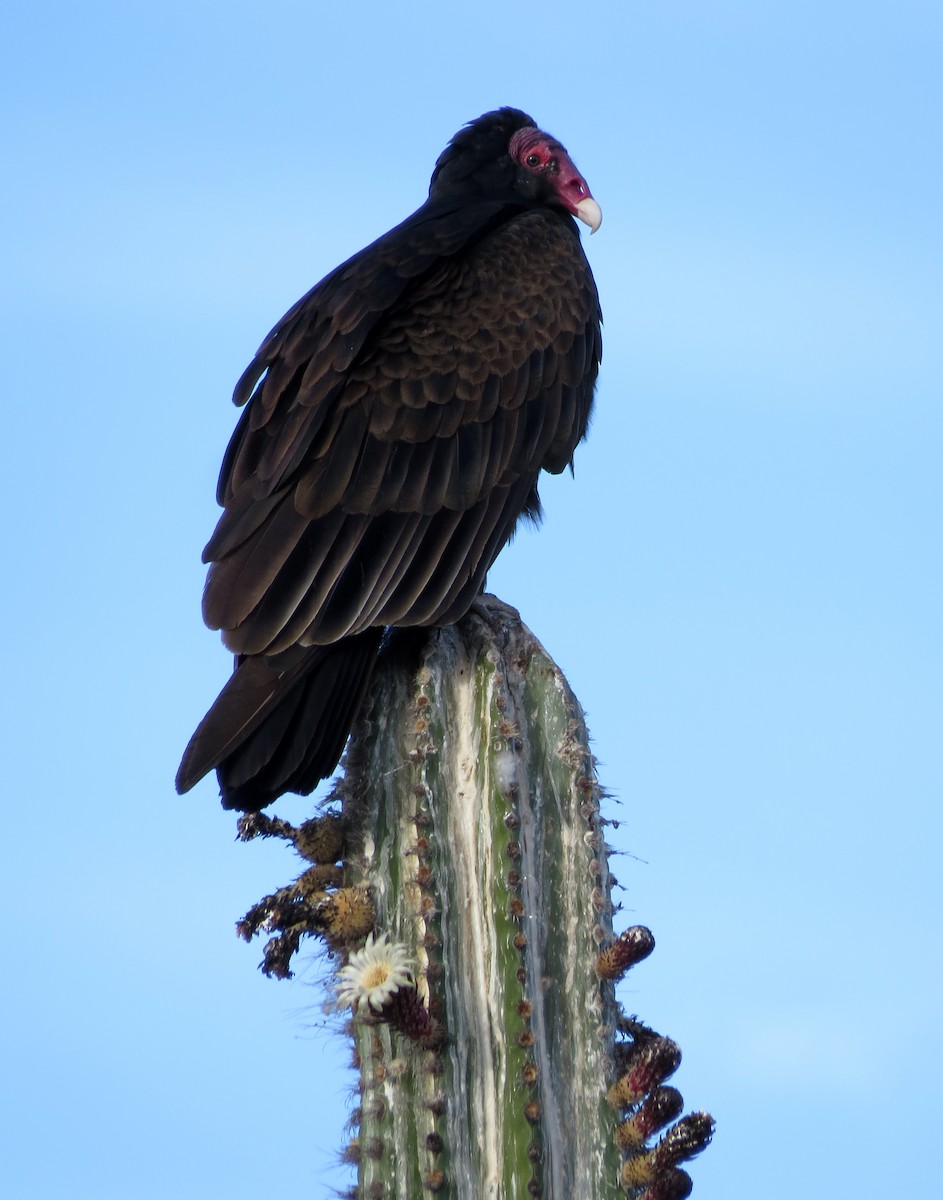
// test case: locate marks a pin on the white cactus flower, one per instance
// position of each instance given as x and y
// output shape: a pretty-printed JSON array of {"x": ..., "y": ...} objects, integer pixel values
[{"x": 373, "y": 974}]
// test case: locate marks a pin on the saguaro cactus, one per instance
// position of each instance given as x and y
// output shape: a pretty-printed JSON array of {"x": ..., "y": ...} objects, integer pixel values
[{"x": 494, "y": 1059}]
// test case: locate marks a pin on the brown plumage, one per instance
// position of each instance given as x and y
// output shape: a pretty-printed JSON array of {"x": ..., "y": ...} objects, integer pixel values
[{"x": 396, "y": 421}]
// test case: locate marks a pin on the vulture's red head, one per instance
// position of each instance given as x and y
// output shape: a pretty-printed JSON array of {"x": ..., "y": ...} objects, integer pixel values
[{"x": 503, "y": 155}]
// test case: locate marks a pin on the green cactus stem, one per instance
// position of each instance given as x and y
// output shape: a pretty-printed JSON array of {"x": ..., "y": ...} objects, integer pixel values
[
  {"x": 473, "y": 810},
  {"x": 474, "y": 921}
]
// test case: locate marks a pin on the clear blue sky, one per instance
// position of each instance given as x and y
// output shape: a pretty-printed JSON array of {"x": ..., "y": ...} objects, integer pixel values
[{"x": 743, "y": 582}]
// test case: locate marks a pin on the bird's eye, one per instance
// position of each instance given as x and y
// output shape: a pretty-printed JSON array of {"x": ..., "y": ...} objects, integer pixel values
[{"x": 532, "y": 160}]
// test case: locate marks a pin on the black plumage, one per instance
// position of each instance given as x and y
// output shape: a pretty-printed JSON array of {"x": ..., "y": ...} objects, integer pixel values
[{"x": 396, "y": 421}]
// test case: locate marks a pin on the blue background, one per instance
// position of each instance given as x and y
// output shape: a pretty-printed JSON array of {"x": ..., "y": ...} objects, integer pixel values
[{"x": 743, "y": 583}]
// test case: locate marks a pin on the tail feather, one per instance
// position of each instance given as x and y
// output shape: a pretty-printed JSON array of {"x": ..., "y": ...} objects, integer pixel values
[{"x": 280, "y": 724}]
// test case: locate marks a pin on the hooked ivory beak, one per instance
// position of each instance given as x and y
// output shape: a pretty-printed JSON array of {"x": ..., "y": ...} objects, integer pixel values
[{"x": 590, "y": 213}]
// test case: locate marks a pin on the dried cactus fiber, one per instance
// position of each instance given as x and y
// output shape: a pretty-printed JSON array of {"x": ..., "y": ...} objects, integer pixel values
[{"x": 474, "y": 923}]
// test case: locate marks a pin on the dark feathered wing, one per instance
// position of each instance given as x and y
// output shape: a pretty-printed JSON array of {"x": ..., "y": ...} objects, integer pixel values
[{"x": 399, "y": 417}]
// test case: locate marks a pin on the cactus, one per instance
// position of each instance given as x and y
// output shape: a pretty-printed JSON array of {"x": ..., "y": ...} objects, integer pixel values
[{"x": 475, "y": 916}]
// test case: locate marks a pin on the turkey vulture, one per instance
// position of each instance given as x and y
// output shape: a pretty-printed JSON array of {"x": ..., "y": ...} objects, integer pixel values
[{"x": 396, "y": 421}]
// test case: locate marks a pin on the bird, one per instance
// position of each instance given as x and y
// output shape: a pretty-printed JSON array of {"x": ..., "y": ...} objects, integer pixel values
[{"x": 395, "y": 422}]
